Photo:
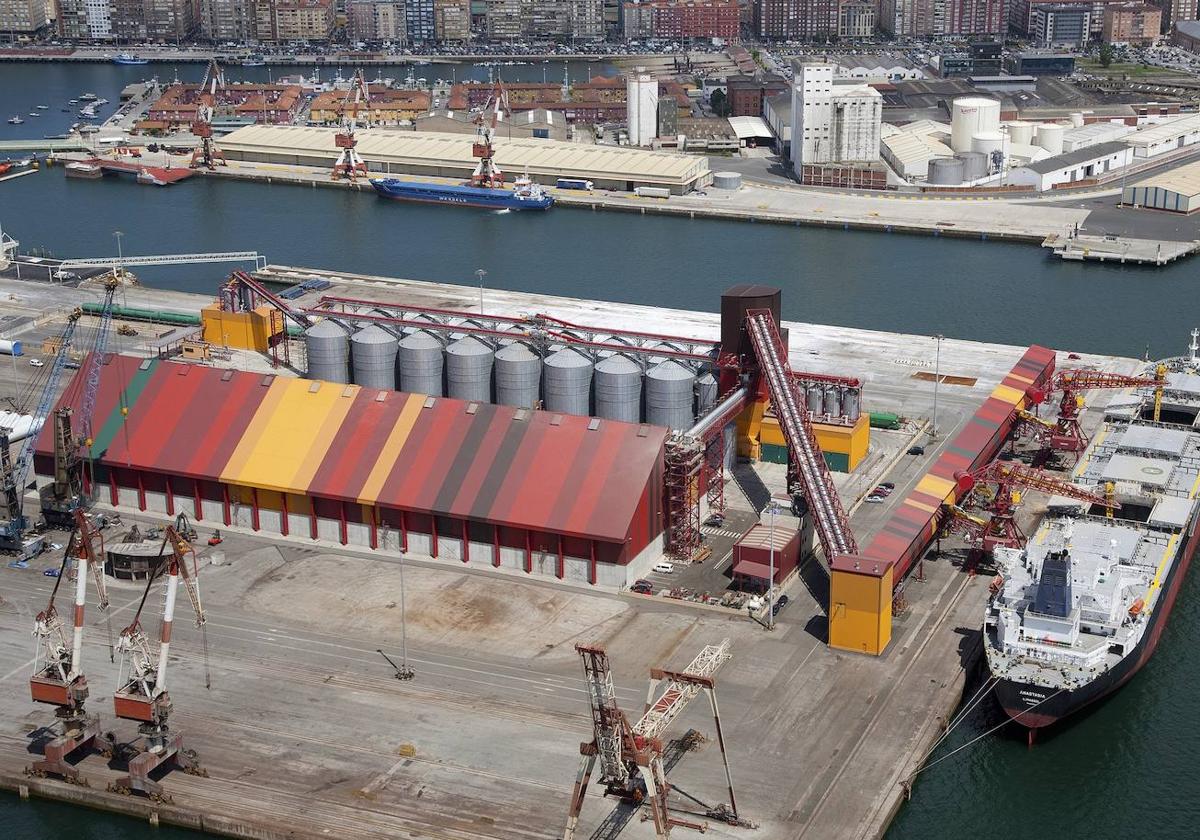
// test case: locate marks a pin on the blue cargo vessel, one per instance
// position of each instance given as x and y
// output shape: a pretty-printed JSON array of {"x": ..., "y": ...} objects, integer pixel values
[{"x": 524, "y": 194}]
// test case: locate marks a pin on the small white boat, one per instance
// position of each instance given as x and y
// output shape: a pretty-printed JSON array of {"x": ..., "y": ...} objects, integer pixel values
[
  {"x": 15, "y": 120},
  {"x": 100, "y": 102},
  {"x": 72, "y": 101},
  {"x": 34, "y": 114},
  {"x": 43, "y": 107},
  {"x": 88, "y": 97}
]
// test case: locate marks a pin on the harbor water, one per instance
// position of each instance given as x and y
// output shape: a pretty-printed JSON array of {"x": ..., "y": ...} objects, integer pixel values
[{"x": 1123, "y": 767}]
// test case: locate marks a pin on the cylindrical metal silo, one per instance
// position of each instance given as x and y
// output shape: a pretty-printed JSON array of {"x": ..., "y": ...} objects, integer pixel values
[
  {"x": 669, "y": 395},
  {"x": 833, "y": 401},
  {"x": 373, "y": 358},
  {"x": 420, "y": 363},
  {"x": 1020, "y": 132},
  {"x": 618, "y": 388},
  {"x": 975, "y": 165},
  {"x": 469, "y": 370},
  {"x": 518, "y": 376},
  {"x": 727, "y": 180},
  {"x": 1077, "y": 119},
  {"x": 987, "y": 142},
  {"x": 706, "y": 393},
  {"x": 946, "y": 172},
  {"x": 970, "y": 115},
  {"x": 851, "y": 403},
  {"x": 1050, "y": 137},
  {"x": 815, "y": 397},
  {"x": 328, "y": 347},
  {"x": 567, "y": 382}
]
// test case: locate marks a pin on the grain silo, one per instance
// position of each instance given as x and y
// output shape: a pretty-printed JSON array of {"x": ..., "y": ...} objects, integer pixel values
[{"x": 328, "y": 348}]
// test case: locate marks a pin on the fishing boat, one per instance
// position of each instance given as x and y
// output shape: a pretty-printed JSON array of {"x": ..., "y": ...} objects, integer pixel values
[
  {"x": 15, "y": 120},
  {"x": 129, "y": 58},
  {"x": 87, "y": 97},
  {"x": 254, "y": 60}
]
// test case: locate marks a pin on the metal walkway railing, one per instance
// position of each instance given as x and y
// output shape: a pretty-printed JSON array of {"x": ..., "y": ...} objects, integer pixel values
[{"x": 833, "y": 526}]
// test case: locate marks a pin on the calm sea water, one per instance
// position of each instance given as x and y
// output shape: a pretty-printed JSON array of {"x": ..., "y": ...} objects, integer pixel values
[{"x": 1126, "y": 767}]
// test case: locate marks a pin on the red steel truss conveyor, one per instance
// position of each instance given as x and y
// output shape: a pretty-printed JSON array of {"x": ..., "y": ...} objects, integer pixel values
[{"x": 833, "y": 526}]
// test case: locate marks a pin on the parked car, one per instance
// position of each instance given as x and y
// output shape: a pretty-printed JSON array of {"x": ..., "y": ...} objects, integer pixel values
[
  {"x": 916, "y": 450},
  {"x": 37, "y": 363},
  {"x": 642, "y": 587},
  {"x": 715, "y": 521},
  {"x": 889, "y": 485},
  {"x": 51, "y": 573},
  {"x": 881, "y": 491},
  {"x": 780, "y": 604},
  {"x": 874, "y": 500},
  {"x": 664, "y": 568}
]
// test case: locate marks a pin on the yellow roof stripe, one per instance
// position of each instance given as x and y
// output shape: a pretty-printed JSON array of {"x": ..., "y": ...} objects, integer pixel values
[
  {"x": 1008, "y": 394},
  {"x": 921, "y": 506},
  {"x": 254, "y": 430},
  {"x": 935, "y": 486},
  {"x": 1154, "y": 585},
  {"x": 390, "y": 451}
]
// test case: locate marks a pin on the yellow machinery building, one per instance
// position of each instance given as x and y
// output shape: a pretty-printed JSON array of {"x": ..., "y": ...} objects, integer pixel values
[
  {"x": 860, "y": 604},
  {"x": 253, "y": 330},
  {"x": 761, "y": 439}
]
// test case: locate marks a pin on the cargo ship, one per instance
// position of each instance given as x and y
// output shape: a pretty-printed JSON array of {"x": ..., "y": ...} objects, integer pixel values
[
  {"x": 523, "y": 195},
  {"x": 1078, "y": 611}
]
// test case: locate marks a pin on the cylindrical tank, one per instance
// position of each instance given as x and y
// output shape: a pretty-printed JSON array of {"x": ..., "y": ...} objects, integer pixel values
[
  {"x": 420, "y": 364},
  {"x": 1077, "y": 119},
  {"x": 469, "y": 370},
  {"x": 567, "y": 382},
  {"x": 986, "y": 142},
  {"x": 833, "y": 401},
  {"x": 518, "y": 376},
  {"x": 970, "y": 115},
  {"x": 815, "y": 396},
  {"x": 373, "y": 358},
  {"x": 328, "y": 347},
  {"x": 10, "y": 348},
  {"x": 707, "y": 391},
  {"x": 975, "y": 165},
  {"x": 727, "y": 180},
  {"x": 669, "y": 395},
  {"x": 946, "y": 172},
  {"x": 618, "y": 387},
  {"x": 851, "y": 403},
  {"x": 1020, "y": 132},
  {"x": 1050, "y": 137}
]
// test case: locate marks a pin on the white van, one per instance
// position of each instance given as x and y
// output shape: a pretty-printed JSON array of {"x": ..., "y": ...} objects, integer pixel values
[{"x": 664, "y": 568}]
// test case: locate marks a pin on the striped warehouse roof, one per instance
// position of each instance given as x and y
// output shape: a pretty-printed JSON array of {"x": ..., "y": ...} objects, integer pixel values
[
  {"x": 915, "y": 520},
  {"x": 526, "y": 469}
]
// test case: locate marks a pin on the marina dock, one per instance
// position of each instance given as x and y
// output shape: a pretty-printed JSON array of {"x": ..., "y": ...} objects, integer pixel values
[{"x": 1118, "y": 249}]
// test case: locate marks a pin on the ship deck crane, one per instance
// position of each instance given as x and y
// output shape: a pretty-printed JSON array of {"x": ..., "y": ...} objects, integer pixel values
[
  {"x": 486, "y": 173},
  {"x": 142, "y": 695},
  {"x": 631, "y": 755},
  {"x": 58, "y": 677},
  {"x": 349, "y": 163},
  {"x": 1001, "y": 528},
  {"x": 1068, "y": 436},
  {"x": 208, "y": 155}
]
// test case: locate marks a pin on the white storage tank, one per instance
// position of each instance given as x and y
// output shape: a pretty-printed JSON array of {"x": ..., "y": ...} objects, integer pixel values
[
  {"x": 851, "y": 403},
  {"x": 669, "y": 395},
  {"x": 420, "y": 363},
  {"x": 617, "y": 384},
  {"x": 1050, "y": 137},
  {"x": 815, "y": 396},
  {"x": 833, "y": 401},
  {"x": 469, "y": 370},
  {"x": 567, "y": 382},
  {"x": 328, "y": 349},
  {"x": 1020, "y": 132},
  {"x": 970, "y": 115},
  {"x": 945, "y": 172},
  {"x": 727, "y": 180},
  {"x": 1077, "y": 119},
  {"x": 518, "y": 376},
  {"x": 986, "y": 142},
  {"x": 10, "y": 348},
  {"x": 975, "y": 165}
]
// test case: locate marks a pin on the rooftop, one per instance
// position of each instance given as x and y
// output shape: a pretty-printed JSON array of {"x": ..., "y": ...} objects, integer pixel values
[
  {"x": 1053, "y": 164},
  {"x": 1184, "y": 180}
]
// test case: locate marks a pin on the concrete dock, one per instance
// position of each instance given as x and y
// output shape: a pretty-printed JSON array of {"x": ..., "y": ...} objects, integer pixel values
[{"x": 305, "y": 733}]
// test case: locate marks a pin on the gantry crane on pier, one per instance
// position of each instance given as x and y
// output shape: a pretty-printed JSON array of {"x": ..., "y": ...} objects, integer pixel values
[
  {"x": 1067, "y": 435},
  {"x": 1001, "y": 528},
  {"x": 58, "y": 677},
  {"x": 142, "y": 695},
  {"x": 208, "y": 155},
  {"x": 486, "y": 173},
  {"x": 349, "y": 163},
  {"x": 631, "y": 755}
]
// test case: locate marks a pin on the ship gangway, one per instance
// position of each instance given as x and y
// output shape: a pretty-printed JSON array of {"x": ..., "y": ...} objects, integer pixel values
[{"x": 832, "y": 523}]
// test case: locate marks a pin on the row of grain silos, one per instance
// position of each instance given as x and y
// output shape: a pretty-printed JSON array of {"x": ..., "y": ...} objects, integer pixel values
[
  {"x": 833, "y": 401},
  {"x": 613, "y": 385}
]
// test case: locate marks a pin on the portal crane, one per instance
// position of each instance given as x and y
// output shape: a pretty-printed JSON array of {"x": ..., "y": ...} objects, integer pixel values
[
  {"x": 631, "y": 756},
  {"x": 208, "y": 155},
  {"x": 1068, "y": 436},
  {"x": 486, "y": 173},
  {"x": 349, "y": 163},
  {"x": 14, "y": 474},
  {"x": 58, "y": 677},
  {"x": 142, "y": 695},
  {"x": 1001, "y": 529}
]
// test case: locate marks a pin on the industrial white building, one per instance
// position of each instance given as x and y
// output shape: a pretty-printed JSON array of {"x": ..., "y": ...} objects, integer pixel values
[
  {"x": 832, "y": 123},
  {"x": 641, "y": 97},
  {"x": 1072, "y": 167},
  {"x": 1165, "y": 137},
  {"x": 1084, "y": 136},
  {"x": 1177, "y": 191}
]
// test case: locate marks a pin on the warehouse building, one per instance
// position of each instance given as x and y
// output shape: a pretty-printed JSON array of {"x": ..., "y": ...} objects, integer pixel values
[
  {"x": 449, "y": 156},
  {"x": 548, "y": 494},
  {"x": 1081, "y": 166},
  {"x": 1166, "y": 136},
  {"x": 1177, "y": 191}
]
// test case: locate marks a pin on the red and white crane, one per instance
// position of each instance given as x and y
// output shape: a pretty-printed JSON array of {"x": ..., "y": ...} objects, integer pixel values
[
  {"x": 631, "y": 755},
  {"x": 208, "y": 155},
  {"x": 349, "y": 163},
  {"x": 486, "y": 173},
  {"x": 143, "y": 695},
  {"x": 1068, "y": 436},
  {"x": 58, "y": 677}
]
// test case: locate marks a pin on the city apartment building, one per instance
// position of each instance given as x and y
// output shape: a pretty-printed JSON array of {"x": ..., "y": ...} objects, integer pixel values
[
  {"x": 508, "y": 20},
  {"x": 294, "y": 20},
  {"x": 452, "y": 20},
  {"x": 1132, "y": 23},
  {"x": 805, "y": 20},
  {"x": 227, "y": 20},
  {"x": 23, "y": 17},
  {"x": 378, "y": 20}
]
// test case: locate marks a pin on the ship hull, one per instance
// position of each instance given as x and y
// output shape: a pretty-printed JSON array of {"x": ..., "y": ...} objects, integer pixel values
[
  {"x": 458, "y": 196},
  {"x": 1037, "y": 706}
]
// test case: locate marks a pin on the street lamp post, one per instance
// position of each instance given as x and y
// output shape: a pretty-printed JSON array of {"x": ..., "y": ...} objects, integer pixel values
[
  {"x": 937, "y": 378},
  {"x": 772, "y": 508},
  {"x": 480, "y": 273}
]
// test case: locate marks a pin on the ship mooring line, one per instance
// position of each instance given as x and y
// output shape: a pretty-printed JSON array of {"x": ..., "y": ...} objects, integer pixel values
[{"x": 954, "y": 722}]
